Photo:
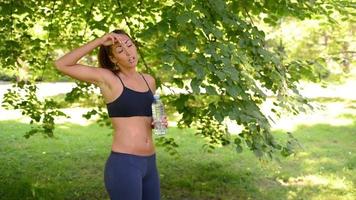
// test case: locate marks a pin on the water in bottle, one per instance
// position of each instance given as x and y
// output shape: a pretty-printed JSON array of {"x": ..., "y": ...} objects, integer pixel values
[{"x": 158, "y": 114}]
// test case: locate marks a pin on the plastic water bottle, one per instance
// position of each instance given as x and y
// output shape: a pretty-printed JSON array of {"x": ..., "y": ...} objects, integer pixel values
[{"x": 158, "y": 114}]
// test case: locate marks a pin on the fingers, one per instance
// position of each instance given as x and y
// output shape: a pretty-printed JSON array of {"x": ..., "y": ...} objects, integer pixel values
[
  {"x": 164, "y": 121},
  {"x": 112, "y": 39},
  {"x": 118, "y": 38}
]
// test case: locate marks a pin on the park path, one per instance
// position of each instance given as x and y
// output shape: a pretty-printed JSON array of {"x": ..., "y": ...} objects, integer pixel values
[{"x": 326, "y": 112}]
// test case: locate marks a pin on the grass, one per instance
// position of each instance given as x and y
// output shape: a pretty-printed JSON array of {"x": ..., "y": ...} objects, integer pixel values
[{"x": 70, "y": 166}]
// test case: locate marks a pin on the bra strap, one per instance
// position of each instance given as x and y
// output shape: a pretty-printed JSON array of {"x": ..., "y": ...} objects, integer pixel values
[
  {"x": 146, "y": 82},
  {"x": 120, "y": 79}
]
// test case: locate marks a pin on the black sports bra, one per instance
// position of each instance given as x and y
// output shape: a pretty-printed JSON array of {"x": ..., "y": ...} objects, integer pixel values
[{"x": 131, "y": 103}]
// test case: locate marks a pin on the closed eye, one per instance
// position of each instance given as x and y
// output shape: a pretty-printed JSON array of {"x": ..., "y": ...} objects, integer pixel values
[
  {"x": 128, "y": 43},
  {"x": 119, "y": 50}
]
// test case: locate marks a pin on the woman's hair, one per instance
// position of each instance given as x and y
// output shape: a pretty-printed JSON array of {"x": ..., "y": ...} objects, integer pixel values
[{"x": 106, "y": 51}]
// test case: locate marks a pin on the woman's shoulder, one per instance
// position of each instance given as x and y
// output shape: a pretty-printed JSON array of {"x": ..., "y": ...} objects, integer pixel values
[
  {"x": 148, "y": 77},
  {"x": 110, "y": 77},
  {"x": 150, "y": 80}
]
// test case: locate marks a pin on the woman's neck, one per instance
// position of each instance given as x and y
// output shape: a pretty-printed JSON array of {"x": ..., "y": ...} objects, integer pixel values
[{"x": 129, "y": 73}]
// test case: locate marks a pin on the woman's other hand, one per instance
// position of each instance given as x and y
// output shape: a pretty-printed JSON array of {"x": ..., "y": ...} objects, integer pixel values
[{"x": 164, "y": 121}]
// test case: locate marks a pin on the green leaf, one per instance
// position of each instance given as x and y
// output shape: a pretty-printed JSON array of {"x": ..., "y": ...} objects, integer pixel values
[
  {"x": 211, "y": 90},
  {"x": 220, "y": 74},
  {"x": 232, "y": 90},
  {"x": 195, "y": 83},
  {"x": 200, "y": 74}
]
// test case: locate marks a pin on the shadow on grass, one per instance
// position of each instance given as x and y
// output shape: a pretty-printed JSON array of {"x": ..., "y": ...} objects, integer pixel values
[
  {"x": 24, "y": 189},
  {"x": 324, "y": 169},
  {"x": 72, "y": 166}
]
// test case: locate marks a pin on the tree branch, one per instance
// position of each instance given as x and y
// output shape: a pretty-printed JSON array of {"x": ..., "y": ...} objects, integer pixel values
[{"x": 248, "y": 14}]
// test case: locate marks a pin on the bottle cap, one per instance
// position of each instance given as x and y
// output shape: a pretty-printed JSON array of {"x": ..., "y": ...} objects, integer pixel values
[{"x": 156, "y": 96}]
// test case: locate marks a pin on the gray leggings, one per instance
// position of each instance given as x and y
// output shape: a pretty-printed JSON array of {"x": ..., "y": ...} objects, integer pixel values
[{"x": 131, "y": 177}]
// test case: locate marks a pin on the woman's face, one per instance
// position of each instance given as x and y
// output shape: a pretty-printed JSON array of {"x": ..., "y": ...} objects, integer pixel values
[{"x": 125, "y": 52}]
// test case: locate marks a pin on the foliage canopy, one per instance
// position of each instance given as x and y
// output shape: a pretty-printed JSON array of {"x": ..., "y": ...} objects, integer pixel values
[{"x": 212, "y": 49}]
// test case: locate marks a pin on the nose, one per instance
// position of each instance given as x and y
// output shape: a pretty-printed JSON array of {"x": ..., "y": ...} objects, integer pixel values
[
  {"x": 124, "y": 47},
  {"x": 126, "y": 51}
]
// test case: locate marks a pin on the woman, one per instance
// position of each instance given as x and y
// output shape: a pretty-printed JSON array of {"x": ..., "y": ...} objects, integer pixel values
[{"x": 130, "y": 171}]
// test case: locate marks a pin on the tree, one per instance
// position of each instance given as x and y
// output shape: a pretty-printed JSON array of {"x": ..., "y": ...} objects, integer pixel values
[{"x": 210, "y": 48}]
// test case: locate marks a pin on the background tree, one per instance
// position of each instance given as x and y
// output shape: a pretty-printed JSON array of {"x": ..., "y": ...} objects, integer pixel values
[{"x": 212, "y": 49}]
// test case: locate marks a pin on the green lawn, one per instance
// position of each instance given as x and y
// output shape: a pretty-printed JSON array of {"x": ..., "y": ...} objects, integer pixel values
[{"x": 70, "y": 166}]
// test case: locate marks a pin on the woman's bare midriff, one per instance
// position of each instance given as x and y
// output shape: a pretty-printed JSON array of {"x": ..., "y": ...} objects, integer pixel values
[{"x": 133, "y": 135}]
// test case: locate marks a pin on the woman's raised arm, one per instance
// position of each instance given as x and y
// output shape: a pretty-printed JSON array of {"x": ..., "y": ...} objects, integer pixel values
[{"x": 68, "y": 65}]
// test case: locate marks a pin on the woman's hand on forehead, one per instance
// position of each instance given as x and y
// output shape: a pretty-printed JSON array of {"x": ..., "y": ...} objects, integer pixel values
[{"x": 111, "y": 38}]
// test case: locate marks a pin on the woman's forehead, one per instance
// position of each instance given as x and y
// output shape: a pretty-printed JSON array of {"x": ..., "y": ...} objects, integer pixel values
[
  {"x": 123, "y": 36},
  {"x": 123, "y": 40}
]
